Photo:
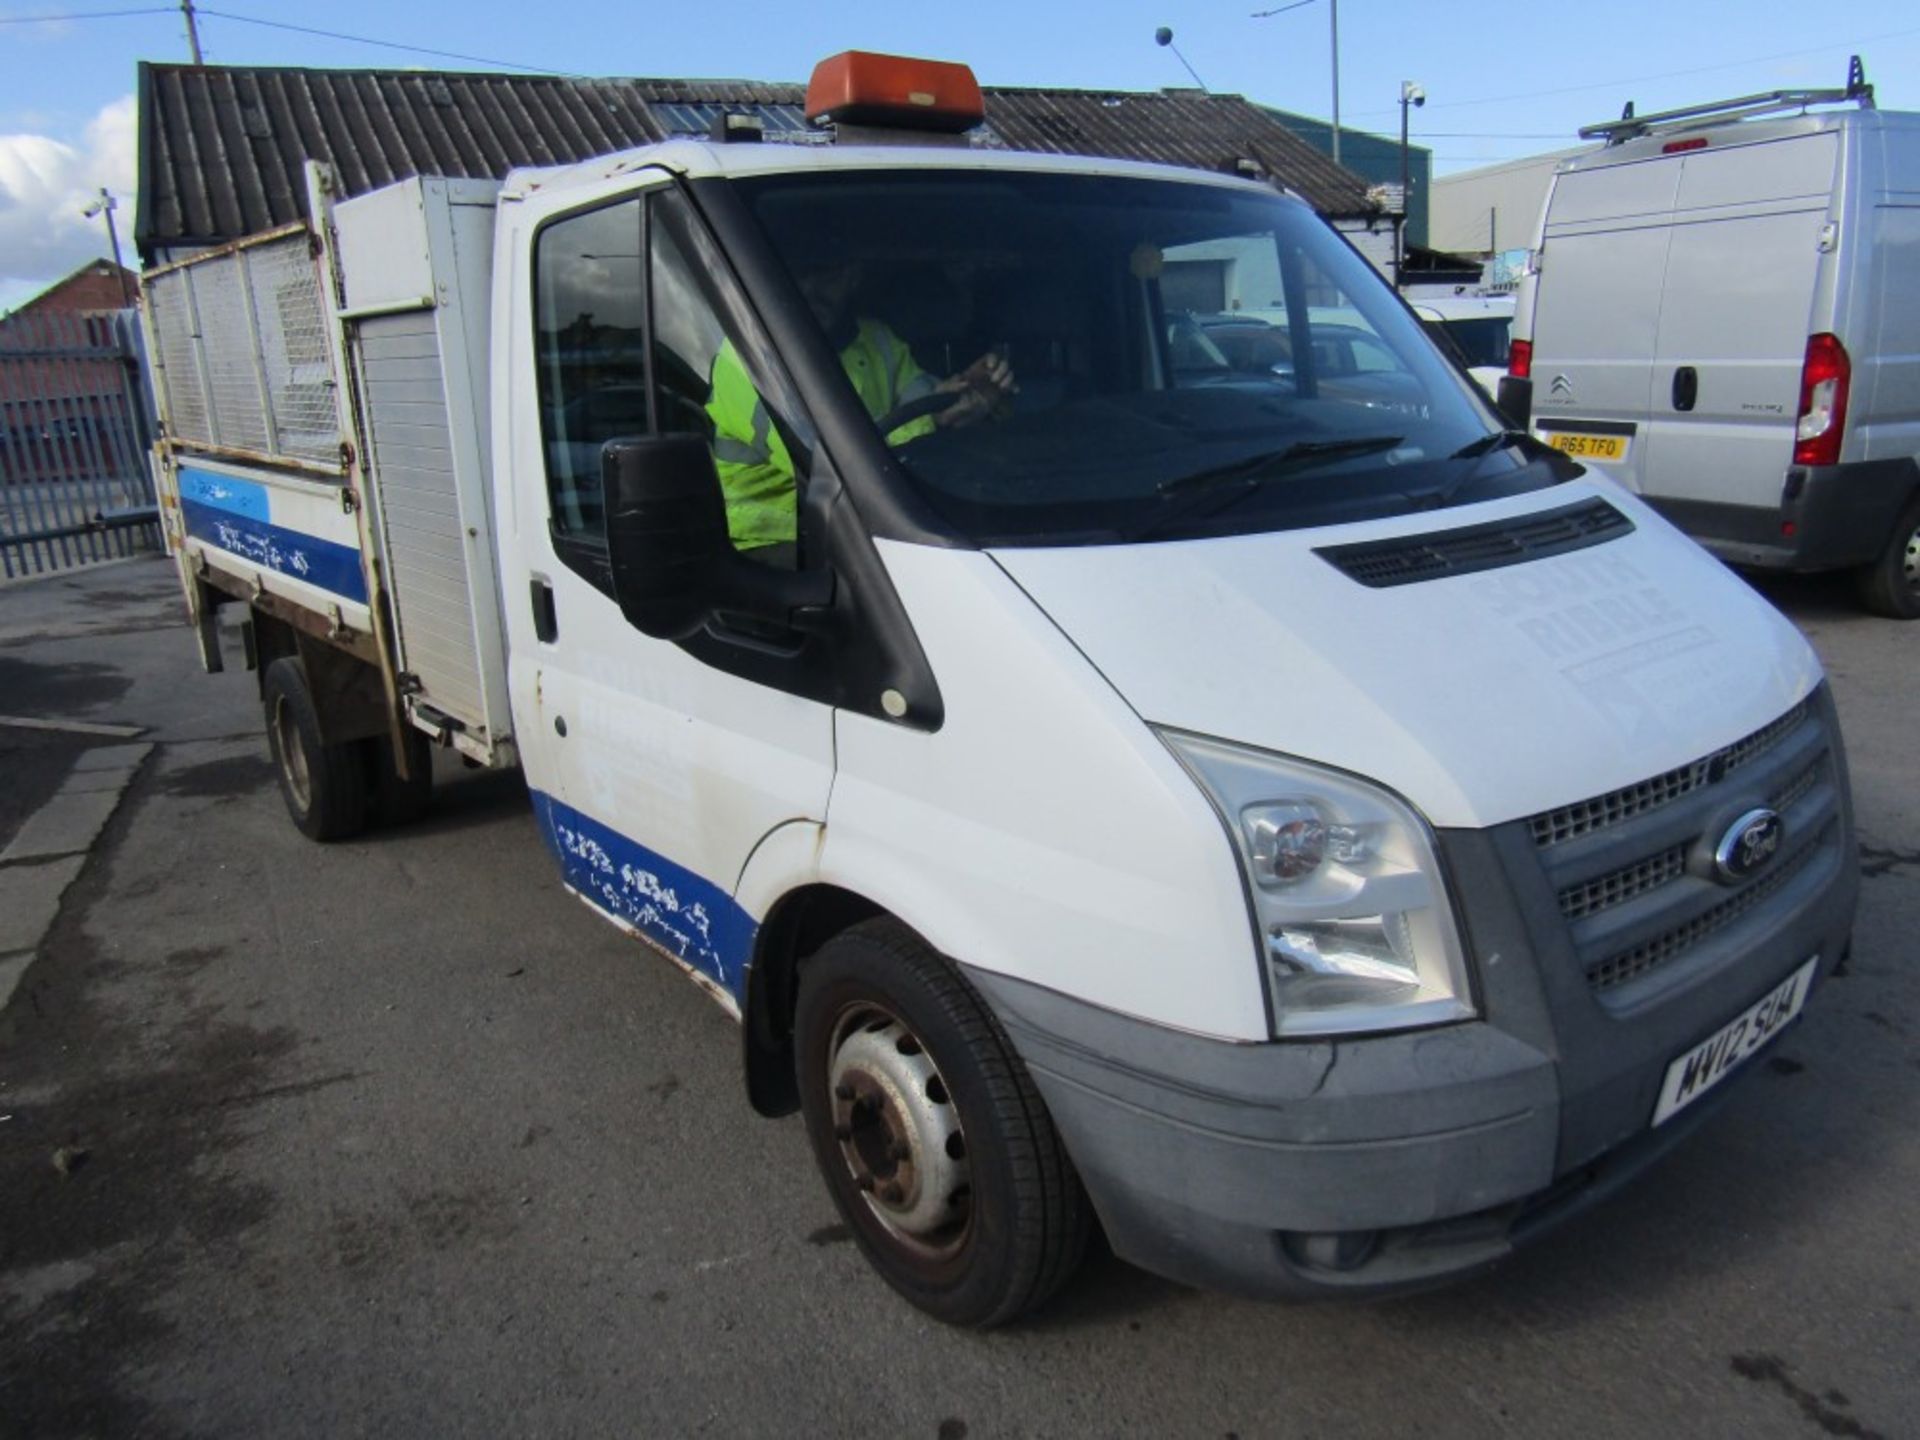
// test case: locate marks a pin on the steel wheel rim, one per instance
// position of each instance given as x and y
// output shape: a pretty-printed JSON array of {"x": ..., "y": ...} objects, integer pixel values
[
  {"x": 293, "y": 757},
  {"x": 898, "y": 1133},
  {"x": 1910, "y": 560}
]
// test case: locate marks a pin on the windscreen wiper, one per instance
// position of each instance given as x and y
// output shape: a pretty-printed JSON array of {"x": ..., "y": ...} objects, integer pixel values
[
  {"x": 1273, "y": 463},
  {"x": 1477, "y": 449},
  {"x": 1487, "y": 444},
  {"x": 1240, "y": 478}
]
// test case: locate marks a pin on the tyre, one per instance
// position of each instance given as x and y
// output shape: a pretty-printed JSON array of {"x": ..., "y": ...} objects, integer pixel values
[
  {"x": 391, "y": 800},
  {"x": 325, "y": 786},
  {"x": 1890, "y": 586},
  {"x": 929, "y": 1132}
]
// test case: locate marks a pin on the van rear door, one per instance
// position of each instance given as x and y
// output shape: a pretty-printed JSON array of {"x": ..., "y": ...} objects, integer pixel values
[
  {"x": 1735, "y": 312},
  {"x": 1596, "y": 311}
]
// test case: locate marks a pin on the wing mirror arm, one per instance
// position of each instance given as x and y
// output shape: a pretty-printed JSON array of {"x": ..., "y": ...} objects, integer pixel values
[
  {"x": 793, "y": 597},
  {"x": 674, "y": 565}
]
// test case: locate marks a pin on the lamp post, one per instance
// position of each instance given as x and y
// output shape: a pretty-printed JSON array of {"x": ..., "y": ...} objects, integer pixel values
[
  {"x": 1411, "y": 97},
  {"x": 1333, "y": 35},
  {"x": 1163, "y": 37},
  {"x": 106, "y": 205}
]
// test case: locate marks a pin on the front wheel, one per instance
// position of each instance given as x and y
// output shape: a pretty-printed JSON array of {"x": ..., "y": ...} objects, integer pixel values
[
  {"x": 929, "y": 1132},
  {"x": 1890, "y": 586}
]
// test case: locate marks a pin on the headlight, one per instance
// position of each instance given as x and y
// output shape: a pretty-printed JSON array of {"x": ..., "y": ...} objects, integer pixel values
[{"x": 1356, "y": 930}]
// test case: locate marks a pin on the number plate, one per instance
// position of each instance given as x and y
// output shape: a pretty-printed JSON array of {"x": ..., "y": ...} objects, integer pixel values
[
  {"x": 1723, "y": 1052},
  {"x": 1589, "y": 447}
]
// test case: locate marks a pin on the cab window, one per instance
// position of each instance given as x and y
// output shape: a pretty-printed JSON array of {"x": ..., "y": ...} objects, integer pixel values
[
  {"x": 687, "y": 335},
  {"x": 627, "y": 340},
  {"x": 589, "y": 356}
]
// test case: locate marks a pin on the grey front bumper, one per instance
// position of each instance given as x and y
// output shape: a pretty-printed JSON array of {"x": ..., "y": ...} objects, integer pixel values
[
  {"x": 1209, "y": 1162},
  {"x": 1290, "y": 1172}
]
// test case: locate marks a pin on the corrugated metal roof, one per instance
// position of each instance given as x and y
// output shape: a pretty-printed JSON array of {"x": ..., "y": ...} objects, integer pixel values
[
  {"x": 221, "y": 147},
  {"x": 1174, "y": 127}
]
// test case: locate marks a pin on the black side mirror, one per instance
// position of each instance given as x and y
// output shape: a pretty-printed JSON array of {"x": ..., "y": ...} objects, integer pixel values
[{"x": 674, "y": 566}]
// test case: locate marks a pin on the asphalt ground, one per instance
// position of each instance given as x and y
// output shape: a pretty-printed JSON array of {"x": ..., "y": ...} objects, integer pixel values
[{"x": 394, "y": 1137}]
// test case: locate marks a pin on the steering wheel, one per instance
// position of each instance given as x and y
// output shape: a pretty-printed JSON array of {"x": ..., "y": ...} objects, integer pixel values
[{"x": 909, "y": 411}]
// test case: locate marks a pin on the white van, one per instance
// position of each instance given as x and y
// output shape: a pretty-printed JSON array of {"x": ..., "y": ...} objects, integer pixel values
[
  {"x": 1272, "y": 812},
  {"x": 1722, "y": 312},
  {"x": 1477, "y": 330}
]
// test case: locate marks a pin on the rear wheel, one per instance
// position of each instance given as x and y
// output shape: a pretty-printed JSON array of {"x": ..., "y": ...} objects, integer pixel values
[
  {"x": 325, "y": 786},
  {"x": 929, "y": 1132},
  {"x": 1890, "y": 586}
]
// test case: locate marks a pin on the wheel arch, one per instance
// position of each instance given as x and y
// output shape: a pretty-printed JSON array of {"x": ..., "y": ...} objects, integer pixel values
[
  {"x": 348, "y": 698},
  {"x": 268, "y": 638},
  {"x": 800, "y": 922}
]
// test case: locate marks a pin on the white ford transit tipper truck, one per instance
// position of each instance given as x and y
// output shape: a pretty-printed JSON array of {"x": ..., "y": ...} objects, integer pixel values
[
  {"x": 1722, "y": 312},
  {"x": 1276, "y": 814}
]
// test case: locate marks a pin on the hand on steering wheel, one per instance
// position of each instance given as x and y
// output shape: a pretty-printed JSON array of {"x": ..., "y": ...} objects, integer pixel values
[
  {"x": 961, "y": 399},
  {"x": 981, "y": 387}
]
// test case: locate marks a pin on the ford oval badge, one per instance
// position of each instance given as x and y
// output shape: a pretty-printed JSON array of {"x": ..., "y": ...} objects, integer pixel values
[{"x": 1750, "y": 842}]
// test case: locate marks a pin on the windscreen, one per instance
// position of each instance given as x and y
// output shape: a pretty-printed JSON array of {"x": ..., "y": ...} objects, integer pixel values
[{"x": 1061, "y": 359}]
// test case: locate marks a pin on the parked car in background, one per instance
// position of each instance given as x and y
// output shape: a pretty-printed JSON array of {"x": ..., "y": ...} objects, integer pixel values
[
  {"x": 1722, "y": 312},
  {"x": 1350, "y": 357}
]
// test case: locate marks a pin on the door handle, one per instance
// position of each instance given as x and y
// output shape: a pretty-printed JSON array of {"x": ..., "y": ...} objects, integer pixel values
[
  {"x": 1686, "y": 387},
  {"x": 546, "y": 623}
]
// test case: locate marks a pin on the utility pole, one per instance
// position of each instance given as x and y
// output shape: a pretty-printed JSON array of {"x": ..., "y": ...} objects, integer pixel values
[
  {"x": 1411, "y": 96},
  {"x": 1333, "y": 30},
  {"x": 1333, "y": 10},
  {"x": 193, "y": 31}
]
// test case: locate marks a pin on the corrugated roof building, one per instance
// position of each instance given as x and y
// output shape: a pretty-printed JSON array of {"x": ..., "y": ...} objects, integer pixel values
[
  {"x": 222, "y": 147},
  {"x": 1175, "y": 127}
]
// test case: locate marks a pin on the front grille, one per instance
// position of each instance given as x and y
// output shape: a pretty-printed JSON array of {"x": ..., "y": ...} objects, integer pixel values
[
  {"x": 1648, "y": 955},
  {"x": 1569, "y": 822},
  {"x": 1631, "y": 869},
  {"x": 1791, "y": 792},
  {"x": 1623, "y": 885},
  {"x": 1617, "y": 887}
]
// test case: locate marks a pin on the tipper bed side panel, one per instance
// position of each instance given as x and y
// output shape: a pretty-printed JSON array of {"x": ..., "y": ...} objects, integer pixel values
[{"x": 415, "y": 263}]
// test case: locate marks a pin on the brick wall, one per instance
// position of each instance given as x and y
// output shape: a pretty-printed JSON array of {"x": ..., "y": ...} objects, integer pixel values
[{"x": 94, "y": 287}]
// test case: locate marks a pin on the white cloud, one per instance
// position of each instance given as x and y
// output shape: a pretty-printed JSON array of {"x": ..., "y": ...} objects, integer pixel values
[{"x": 46, "y": 181}]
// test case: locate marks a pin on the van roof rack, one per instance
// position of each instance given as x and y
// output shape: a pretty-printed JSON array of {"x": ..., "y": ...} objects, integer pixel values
[{"x": 1630, "y": 126}]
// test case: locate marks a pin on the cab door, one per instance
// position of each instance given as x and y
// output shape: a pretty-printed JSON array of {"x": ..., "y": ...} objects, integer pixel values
[{"x": 654, "y": 773}]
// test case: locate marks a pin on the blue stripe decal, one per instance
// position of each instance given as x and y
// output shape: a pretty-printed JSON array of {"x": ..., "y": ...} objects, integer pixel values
[
  {"x": 685, "y": 915},
  {"x": 224, "y": 492},
  {"x": 304, "y": 557}
]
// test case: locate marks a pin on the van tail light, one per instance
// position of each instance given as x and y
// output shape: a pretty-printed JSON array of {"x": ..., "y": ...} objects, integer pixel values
[
  {"x": 1520, "y": 359},
  {"x": 1824, "y": 378}
]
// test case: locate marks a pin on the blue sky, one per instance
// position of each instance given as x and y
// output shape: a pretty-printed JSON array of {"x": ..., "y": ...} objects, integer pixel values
[{"x": 1502, "y": 81}]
